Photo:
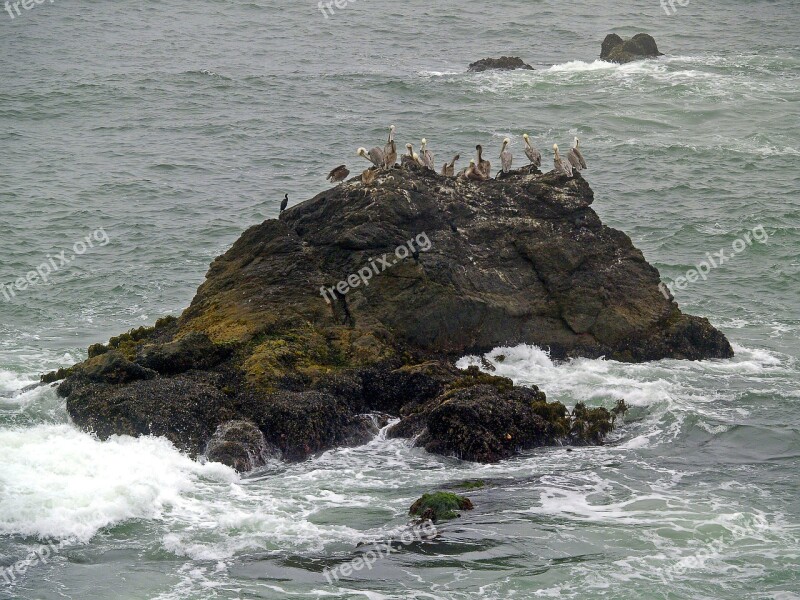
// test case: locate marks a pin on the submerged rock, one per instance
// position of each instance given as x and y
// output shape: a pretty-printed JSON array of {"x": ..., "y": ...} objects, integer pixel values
[
  {"x": 504, "y": 63},
  {"x": 640, "y": 46},
  {"x": 439, "y": 506},
  {"x": 359, "y": 300}
]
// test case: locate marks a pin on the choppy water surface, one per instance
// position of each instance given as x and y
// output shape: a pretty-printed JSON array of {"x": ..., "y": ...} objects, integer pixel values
[{"x": 174, "y": 125}]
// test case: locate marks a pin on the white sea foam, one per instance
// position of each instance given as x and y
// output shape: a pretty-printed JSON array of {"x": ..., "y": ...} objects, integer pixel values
[
  {"x": 11, "y": 382},
  {"x": 579, "y": 66},
  {"x": 59, "y": 482}
]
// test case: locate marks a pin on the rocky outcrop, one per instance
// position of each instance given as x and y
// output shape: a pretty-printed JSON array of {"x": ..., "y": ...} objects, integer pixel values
[
  {"x": 358, "y": 300},
  {"x": 504, "y": 63},
  {"x": 439, "y": 506},
  {"x": 640, "y": 46}
]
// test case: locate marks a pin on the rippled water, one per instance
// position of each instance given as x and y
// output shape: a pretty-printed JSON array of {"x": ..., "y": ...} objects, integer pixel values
[{"x": 174, "y": 125}]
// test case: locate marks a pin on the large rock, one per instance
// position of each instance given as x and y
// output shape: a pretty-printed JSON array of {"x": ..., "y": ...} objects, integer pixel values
[
  {"x": 504, "y": 63},
  {"x": 640, "y": 46},
  {"x": 523, "y": 259}
]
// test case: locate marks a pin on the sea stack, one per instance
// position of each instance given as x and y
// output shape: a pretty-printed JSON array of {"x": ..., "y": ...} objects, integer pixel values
[{"x": 360, "y": 299}]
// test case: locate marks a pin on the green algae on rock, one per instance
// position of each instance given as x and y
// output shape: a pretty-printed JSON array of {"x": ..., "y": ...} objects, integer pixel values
[
  {"x": 522, "y": 259},
  {"x": 439, "y": 506}
]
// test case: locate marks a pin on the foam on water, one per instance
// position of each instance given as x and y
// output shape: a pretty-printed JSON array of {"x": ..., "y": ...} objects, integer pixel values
[{"x": 59, "y": 482}]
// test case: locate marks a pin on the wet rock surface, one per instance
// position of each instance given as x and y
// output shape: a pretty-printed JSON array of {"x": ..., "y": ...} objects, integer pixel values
[
  {"x": 240, "y": 445},
  {"x": 522, "y": 259},
  {"x": 504, "y": 63},
  {"x": 640, "y": 46}
]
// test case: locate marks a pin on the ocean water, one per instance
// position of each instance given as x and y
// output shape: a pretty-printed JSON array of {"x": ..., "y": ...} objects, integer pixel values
[{"x": 170, "y": 127}]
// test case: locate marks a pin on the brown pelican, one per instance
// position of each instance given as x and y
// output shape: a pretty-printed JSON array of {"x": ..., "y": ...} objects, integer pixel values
[
  {"x": 449, "y": 169},
  {"x": 284, "y": 202},
  {"x": 426, "y": 156},
  {"x": 390, "y": 149},
  {"x": 532, "y": 153},
  {"x": 576, "y": 157},
  {"x": 368, "y": 176},
  {"x": 505, "y": 156},
  {"x": 408, "y": 159},
  {"x": 338, "y": 174},
  {"x": 483, "y": 166},
  {"x": 473, "y": 173},
  {"x": 562, "y": 166},
  {"x": 375, "y": 156}
]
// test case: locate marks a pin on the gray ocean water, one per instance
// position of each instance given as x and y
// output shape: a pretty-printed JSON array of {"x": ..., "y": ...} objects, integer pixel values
[{"x": 171, "y": 126}]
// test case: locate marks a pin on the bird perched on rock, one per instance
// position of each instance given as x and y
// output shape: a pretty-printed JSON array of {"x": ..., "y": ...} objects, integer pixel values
[
  {"x": 575, "y": 156},
  {"x": 338, "y": 174},
  {"x": 505, "y": 156},
  {"x": 368, "y": 176},
  {"x": 390, "y": 150},
  {"x": 375, "y": 156},
  {"x": 426, "y": 156},
  {"x": 449, "y": 169},
  {"x": 284, "y": 202},
  {"x": 473, "y": 173},
  {"x": 561, "y": 166},
  {"x": 484, "y": 167},
  {"x": 532, "y": 153},
  {"x": 408, "y": 159}
]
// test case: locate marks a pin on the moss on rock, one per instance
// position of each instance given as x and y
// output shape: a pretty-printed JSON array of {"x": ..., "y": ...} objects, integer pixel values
[{"x": 439, "y": 506}]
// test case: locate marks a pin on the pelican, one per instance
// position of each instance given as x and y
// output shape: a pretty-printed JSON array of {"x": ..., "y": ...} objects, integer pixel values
[
  {"x": 338, "y": 174},
  {"x": 426, "y": 156},
  {"x": 418, "y": 160},
  {"x": 505, "y": 156},
  {"x": 532, "y": 153},
  {"x": 284, "y": 202},
  {"x": 449, "y": 169},
  {"x": 562, "y": 166},
  {"x": 408, "y": 159},
  {"x": 375, "y": 156},
  {"x": 474, "y": 173},
  {"x": 483, "y": 166},
  {"x": 576, "y": 157},
  {"x": 368, "y": 176},
  {"x": 390, "y": 149}
]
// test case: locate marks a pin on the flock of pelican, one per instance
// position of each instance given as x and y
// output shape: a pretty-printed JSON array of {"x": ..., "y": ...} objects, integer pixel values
[{"x": 479, "y": 169}]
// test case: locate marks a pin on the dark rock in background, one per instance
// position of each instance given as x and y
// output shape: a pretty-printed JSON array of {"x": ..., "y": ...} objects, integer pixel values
[
  {"x": 504, "y": 63},
  {"x": 640, "y": 46}
]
